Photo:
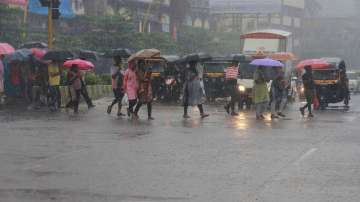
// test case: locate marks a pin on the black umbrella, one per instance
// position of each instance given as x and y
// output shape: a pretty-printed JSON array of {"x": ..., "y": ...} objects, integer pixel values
[
  {"x": 34, "y": 45},
  {"x": 197, "y": 57},
  {"x": 58, "y": 55},
  {"x": 88, "y": 55},
  {"x": 121, "y": 52}
]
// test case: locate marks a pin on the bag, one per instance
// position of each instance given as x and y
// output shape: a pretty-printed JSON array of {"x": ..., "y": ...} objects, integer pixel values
[{"x": 316, "y": 102}]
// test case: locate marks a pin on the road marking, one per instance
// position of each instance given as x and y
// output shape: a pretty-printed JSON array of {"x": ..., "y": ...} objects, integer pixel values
[{"x": 305, "y": 156}]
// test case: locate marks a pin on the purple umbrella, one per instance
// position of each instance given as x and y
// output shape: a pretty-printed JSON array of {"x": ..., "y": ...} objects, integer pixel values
[{"x": 267, "y": 62}]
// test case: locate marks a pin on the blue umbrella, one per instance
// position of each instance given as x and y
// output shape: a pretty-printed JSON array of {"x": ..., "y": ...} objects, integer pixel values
[
  {"x": 267, "y": 62},
  {"x": 21, "y": 55}
]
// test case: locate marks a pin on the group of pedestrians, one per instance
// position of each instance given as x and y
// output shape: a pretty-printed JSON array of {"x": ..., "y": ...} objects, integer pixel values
[{"x": 135, "y": 82}]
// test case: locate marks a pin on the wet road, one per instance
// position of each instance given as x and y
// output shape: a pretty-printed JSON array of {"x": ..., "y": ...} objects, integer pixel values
[{"x": 94, "y": 157}]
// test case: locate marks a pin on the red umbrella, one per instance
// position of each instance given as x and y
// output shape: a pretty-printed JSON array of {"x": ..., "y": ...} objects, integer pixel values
[
  {"x": 81, "y": 64},
  {"x": 314, "y": 63},
  {"x": 38, "y": 53},
  {"x": 6, "y": 49}
]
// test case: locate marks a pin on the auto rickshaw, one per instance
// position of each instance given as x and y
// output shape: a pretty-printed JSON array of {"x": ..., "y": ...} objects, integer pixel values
[
  {"x": 332, "y": 83},
  {"x": 170, "y": 86},
  {"x": 245, "y": 80},
  {"x": 214, "y": 77}
]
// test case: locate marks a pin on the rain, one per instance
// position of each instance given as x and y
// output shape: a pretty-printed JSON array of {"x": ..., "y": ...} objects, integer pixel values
[{"x": 179, "y": 100}]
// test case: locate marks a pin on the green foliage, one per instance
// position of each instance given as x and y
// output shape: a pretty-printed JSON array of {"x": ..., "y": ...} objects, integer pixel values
[
  {"x": 103, "y": 33},
  {"x": 105, "y": 79},
  {"x": 92, "y": 79}
]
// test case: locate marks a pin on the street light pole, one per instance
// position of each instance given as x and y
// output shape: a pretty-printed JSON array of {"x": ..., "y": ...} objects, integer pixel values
[{"x": 50, "y": 27}]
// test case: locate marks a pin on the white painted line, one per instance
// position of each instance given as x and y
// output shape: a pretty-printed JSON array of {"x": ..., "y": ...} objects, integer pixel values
[{"x": 305, "y": 156}]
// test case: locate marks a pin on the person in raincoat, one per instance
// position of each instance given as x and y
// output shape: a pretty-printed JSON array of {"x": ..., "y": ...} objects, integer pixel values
[
  {"x": 309, "y": 86},
  {"x": 131, "y": 86},
  {"x": 117, "y": 82},
  {"x": 143, "y": 73},
  {"x": 54, "y": 71},
  {"x": 192, "y": 91},
  {"x": 261, "y": 93}
]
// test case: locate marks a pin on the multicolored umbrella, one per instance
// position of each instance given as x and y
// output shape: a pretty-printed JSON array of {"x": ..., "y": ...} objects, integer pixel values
[
  {"x": 267, "y": 62},
  {"x": 6, "y": 49},
  {"x": 81, "y": 64},
  {"x": 38, "y": 53},
  {"x": 20, "y": 55},
  {"x": 314, "y": 63}
]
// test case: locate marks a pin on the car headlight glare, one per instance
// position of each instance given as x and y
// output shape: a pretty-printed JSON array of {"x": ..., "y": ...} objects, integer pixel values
[{"x": 242, "y": 88}]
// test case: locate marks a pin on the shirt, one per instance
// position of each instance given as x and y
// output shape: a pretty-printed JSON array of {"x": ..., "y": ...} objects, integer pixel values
[
  {"x": 231, "y": 72},
  {"x": 54, "y": 69}
]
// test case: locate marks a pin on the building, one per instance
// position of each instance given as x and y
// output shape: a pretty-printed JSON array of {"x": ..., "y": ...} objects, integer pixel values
[{"x": 249, "y": 15}]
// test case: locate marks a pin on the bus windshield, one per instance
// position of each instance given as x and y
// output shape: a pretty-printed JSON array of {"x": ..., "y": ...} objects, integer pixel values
[
  {"x": 325, "y": 75},
  {"x": 246, "y": 70},
  {"x": 216, "y": 66}
]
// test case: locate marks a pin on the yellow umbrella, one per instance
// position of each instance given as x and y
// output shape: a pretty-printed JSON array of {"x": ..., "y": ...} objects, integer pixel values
[{"x": 145, "y": 54}]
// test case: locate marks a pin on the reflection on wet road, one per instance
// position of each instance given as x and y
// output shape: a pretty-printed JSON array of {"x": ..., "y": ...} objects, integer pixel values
[{"x": 94, "y": 157}]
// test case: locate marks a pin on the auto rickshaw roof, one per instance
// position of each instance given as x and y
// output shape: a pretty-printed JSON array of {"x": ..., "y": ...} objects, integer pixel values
[
  {"x": 333, "y": 61},
  {"x": 171, "y": 58}
]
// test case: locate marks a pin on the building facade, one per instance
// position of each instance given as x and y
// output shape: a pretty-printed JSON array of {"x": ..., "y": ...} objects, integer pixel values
[{"x": 250, "y": 15}]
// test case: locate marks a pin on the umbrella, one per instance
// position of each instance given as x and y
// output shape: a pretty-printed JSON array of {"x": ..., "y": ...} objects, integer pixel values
[
  {"x": 197, "y": 57},
  {"x": 267, "y": 62},
  {"x": 314, "y": 63},
  {"x": 88, "y": 55},
  {"x": 81, "y": 64},
  {"x": 34, "y": 45},
  {"x": 6, "y": 49},
  {"x": 21, "y": 55},
  {"x": 58, "y": 55},
  {"x": 121, "y": 52},
  {"x": 38, "y": 53},
  {"x": 144, "y": 54},
  {"x": 283, "y": 56}
]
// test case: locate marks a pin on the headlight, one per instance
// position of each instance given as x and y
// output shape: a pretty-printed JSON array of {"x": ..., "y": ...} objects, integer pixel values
[
  {"x": 302, "y": 89},
  {"x": 242, "y": 88}
]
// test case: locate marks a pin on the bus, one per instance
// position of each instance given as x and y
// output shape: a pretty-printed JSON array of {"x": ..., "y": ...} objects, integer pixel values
[
  {"x": 262, "y": 44},
  {"x": 266, "y": 42}
]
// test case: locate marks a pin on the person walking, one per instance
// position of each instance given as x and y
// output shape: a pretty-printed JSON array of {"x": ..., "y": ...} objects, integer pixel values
[
  {"x": 117, "y": 80},
  {"x": 192, "y": 91},
  {"x": 277, "y": 91},
  {"x": 145, "y": 90},
  {"x": 231, "y": 75},
  {"x": 261, "y": 94},
  {"x": 309, "y": 90},
  {"x": 54, "y": 72},
  {"x": 131, "y": 87},
  {"x": 85, "y": 94},
  {"x": 74, "y": 82}
]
